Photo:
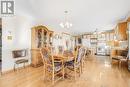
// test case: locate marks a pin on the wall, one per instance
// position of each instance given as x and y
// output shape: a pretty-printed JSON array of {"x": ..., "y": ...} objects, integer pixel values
[
  {"x": 86, "y": 42},
  {"x": 129, "y": 38},
  {"x": 62, "y": 41},
  {"x": 20, "y": 28}
]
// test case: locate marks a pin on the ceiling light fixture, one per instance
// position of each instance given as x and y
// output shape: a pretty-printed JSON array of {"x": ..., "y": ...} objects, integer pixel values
[
  {"x": 66, "y": 23},
  {"x": 95, "y": 32}
]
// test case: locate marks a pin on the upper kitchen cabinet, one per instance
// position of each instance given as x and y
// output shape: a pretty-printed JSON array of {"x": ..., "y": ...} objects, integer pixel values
[{"x": 122, "y": 28}]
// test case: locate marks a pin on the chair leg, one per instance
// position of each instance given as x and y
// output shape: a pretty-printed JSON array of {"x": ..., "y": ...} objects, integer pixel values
[
  {"x": 63, "y": 72},
  {"x": 80, "y": 70},
  {"x": 44, "y": 72},
  {"x": 24, "y": 65},
  {"x": 27, "y": 66},
  {"x": 82, "y": 67},
  {"x": 120, "y": 63},
  {"x": 75, "y": 73},
  {"x": 17, "y": 67},
  {"x": 53, "y": 77}
]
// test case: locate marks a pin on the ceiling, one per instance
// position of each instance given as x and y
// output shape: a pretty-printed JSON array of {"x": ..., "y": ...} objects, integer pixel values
[{"x": 85, "y": 15}]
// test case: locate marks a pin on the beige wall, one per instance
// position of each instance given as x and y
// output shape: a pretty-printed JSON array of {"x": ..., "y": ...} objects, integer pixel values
[{"x": 20, "y": 28}]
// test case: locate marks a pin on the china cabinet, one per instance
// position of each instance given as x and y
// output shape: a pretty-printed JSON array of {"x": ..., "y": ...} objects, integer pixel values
[{"x": 41, "y": 36}]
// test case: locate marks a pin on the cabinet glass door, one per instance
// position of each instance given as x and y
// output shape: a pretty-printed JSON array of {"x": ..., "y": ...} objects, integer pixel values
[{"x": 39, "y": 37}]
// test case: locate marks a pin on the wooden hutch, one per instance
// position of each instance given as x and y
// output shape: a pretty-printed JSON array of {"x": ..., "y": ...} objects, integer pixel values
[
  {"x": 121, "y": 37},
  {"x": 41, "y": 36}
]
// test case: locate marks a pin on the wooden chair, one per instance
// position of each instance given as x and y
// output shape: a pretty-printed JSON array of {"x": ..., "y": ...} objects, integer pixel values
[
  {"x": 60, "y": 50},
  {"x": 83, "y": 58},
  {"x": 123, "y": 59},
  {"x": 120, "y": 58},
  {"x": 49, "y": 49},
  {"x": 52, "y": 67},
  {"x": 75, "y": 65},
  {"x": 88, "y": 52},
  {"x": 116, "y": 58}
]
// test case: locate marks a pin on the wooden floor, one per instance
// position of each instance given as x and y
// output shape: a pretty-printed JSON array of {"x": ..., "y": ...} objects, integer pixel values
[{"x": 98, "y": 72}]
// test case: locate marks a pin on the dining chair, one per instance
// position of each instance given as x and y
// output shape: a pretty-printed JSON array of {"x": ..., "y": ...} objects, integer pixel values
[
  {"x": 83, "y": 58},
  {"x": 49, "y": 49},
  {"x": 75, "y": 65},
  {"x": 60, "y": 50},
  {"x": 120, "y": 58},
  {"x": 88, "y": 52},
  {"x": 123, "y": 59},
  {"x": 116, "y": 58},
  {"x": 52, "y": 67}
]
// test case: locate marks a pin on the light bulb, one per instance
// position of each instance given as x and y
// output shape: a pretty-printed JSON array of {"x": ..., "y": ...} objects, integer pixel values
[
  {"x": 70, "y": 25},
  {"x": 62, "y": 25}
]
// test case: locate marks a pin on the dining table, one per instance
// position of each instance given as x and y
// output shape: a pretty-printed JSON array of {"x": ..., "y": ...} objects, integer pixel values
[{"x": 65, "y": 57}]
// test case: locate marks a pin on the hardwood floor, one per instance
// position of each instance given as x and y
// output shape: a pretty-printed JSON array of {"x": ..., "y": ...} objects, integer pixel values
[{"x": 98, "y": 72}]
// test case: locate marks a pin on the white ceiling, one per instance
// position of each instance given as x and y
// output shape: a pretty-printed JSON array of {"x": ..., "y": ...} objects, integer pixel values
[{"x": 85, "y": 15}]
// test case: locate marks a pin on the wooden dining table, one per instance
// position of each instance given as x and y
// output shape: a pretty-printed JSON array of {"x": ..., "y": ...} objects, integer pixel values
[{"x": 64, "y": 57}]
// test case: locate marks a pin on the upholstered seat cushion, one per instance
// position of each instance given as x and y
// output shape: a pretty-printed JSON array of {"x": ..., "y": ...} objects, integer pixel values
[
  {"x": 70, "y": 64},
  {"x": 117, "y": 57},
  {"x": 21, "y": 61},
  {"x": 58, "y": 67}
]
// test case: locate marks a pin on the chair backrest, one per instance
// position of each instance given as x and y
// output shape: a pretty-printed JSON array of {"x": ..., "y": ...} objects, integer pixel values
[
  {"x": 123, "y": 52},
  {"x": 79, "y": 56},
  {"x": 53, "y": 50},
  {"x": 60, "y": 49},
  {"x": 49, "y": 49},
  {"x": 76, "y": 51},
  {"x": 46, "y": 56},
  {"x": 84, "y": 52},
  {"x": 19, "y": 53}
]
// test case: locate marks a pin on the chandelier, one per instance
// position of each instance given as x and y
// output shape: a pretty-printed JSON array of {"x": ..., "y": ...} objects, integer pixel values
[
  {"x": 95, "y": 32},
  {"x": 66, "y": 23}
]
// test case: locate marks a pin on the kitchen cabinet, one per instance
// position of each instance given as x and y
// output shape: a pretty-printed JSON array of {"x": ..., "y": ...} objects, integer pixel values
[{"x": 122, "y": 28}]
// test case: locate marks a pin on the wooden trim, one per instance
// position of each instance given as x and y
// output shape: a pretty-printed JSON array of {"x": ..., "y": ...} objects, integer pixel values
[{"x": 42, "y": 26}]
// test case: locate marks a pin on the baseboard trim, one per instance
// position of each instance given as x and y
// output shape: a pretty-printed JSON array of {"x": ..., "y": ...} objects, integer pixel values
[{"x": 12, "y": 70}]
